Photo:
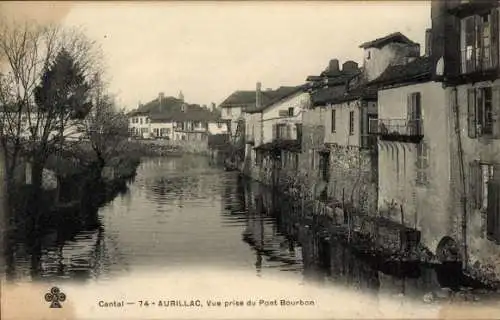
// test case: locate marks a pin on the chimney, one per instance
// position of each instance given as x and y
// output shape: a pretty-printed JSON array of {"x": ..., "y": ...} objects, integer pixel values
[
  {"x": 333, "y": 66},
  {"x": 161, "y": 96},
  {"x": 213, "y": 106},
  {"x": 428, "y": 41},
  {"x": 258, "y": 96},
  {"x": 349, "y": 66}
]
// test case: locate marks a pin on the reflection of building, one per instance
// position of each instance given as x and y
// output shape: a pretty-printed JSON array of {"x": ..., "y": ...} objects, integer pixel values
[{"x": 173, "y": 119}]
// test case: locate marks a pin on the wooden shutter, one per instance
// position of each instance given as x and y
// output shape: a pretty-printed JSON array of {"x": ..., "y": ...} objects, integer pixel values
[
  {"x": 492, "y": 211},
  {"x": 475, "y": 184},
  {"x": 495, "y": 106},
  {"x": 471, "y": 113},
  {"x": 494, "y": 38},
  {"x": 409, "y": 112},
  {"x": 417, "y": 107}
]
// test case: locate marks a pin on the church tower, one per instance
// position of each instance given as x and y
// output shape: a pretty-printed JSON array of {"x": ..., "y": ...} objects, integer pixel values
[{"x": 181, "y": 96}]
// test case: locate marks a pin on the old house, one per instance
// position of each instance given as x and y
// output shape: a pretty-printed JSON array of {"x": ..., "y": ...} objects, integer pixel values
[
  {"x": 413, "y": 154},
  {"x": 347, "y": 161},
  {"x": 274, "y": 131},
  {"x": 330, "y": 83},
  {"x": 465, "y": 59},
  {"x": 172, "y": 119}
]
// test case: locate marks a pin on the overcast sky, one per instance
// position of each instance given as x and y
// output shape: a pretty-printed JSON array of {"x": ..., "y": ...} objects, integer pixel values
[{"x": 210, "y": 49}]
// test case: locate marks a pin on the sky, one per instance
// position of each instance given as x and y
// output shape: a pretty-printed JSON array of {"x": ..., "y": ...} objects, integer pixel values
[{"x": 211, "y": 49}]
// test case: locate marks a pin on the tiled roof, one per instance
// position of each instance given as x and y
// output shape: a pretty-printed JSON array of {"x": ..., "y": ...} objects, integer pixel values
[
  {"x": 246, "y": 99},
  {"x": 276, "y": 96},
  {"x": 239, "y": 98},
  {"x": 325, "y": 95},
  {"x": 420, "y": 68},
  {"x": 171, "y": 110},
  {"x": 393, "y": 37}
]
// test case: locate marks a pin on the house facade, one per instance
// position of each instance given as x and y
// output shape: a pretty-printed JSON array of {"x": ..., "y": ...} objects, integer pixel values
[
  {"x": 413, "y": 155},
  {"x": 465, "y": 60},
  {"x": 274, "y": 132}
]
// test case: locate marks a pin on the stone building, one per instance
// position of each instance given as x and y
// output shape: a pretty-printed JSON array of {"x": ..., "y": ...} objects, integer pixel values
[{"x": 465, "y": 60}]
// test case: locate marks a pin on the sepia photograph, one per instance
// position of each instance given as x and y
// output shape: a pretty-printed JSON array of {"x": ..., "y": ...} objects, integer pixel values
[{"x": 250, "y": 159}]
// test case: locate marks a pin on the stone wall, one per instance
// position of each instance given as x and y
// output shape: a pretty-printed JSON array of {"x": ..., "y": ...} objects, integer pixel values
[
  {"x": 353, "y": 178},
  {"x": 195, "y": 146}
]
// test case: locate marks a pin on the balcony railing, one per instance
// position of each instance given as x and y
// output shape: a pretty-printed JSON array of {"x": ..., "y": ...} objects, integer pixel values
[
  {"x": 397, "y": 129},
  {"x": 476, "y": 60}
]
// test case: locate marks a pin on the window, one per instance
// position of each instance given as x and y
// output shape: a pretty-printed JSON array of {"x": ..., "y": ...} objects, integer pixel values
[
  {"x": 479, "y": 44},
  {"x": 351, "y": 123},
  {"x": 481, "y": 104},
  {"x": 368, "y": 55},
  {"x": 296, "y": 162},
  {"x": 298, "y": 129},
  {"x": 140, "y": 120},
  {"x": 422, "y": 163},
  {"x": 484, "y": 191},
  {"x": 414, "y": 114},
  {"x": 334, "y": 120},
  {"x": 290, "y": 112},
  {"x": 284, "y": 158}
]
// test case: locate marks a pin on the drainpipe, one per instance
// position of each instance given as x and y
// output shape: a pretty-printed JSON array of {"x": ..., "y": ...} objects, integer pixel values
[{"x": 463, "y": 193}]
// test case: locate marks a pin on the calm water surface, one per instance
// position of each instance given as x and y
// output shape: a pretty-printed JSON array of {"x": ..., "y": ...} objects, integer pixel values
[{"x": 182, "y": 212}]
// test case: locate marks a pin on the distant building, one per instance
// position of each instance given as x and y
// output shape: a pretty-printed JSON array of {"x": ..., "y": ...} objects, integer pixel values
[
  {"x": 275, "y": 130},
  {"x": 173, "y": 119}
]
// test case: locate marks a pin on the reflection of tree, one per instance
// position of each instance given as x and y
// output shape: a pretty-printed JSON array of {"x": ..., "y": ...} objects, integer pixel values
[{"x": 63, "y": 249}]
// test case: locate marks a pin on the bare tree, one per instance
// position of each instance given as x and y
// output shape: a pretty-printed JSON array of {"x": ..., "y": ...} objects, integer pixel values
[
  {"x": 106, "y": 127},
  {"x": 27, "y": 49}
]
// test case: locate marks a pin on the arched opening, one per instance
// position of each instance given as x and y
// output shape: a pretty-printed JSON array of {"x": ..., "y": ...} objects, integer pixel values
[
  {"x": 449, "y": 271},
  {"x": 448, "y": 250}
]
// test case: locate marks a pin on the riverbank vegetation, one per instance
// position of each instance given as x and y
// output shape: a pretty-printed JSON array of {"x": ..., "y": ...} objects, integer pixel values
[{"x": 64, "y": 140}]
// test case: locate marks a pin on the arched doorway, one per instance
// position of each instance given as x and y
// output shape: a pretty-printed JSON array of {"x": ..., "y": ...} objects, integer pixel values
[
  {"x": 449, "y": 271},
  {"x": 448, "y": 250}
]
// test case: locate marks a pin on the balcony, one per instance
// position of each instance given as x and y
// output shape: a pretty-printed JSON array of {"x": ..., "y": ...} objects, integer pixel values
[{"x": 402, "y": 130}]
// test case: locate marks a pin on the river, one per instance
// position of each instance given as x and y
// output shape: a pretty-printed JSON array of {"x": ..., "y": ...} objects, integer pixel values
[{"x": 180, "y": 212}]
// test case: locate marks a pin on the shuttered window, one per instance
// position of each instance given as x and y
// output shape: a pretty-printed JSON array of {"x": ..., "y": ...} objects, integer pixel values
[
  {"x": 422, "y": 164},
  {"x": 471, "y": 113},
  {"x": 351, "y": 123},
  {"x": 414, "y": 113},
  {"x": 483, "y": 112},
  {"x": 493, "y": 203},
  {"x": 334, "y": 120},
  {"x": 479, "y": 42}
]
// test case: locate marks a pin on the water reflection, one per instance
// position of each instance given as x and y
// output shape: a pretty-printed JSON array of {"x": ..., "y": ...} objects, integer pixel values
[{"x": 180, "y": 212}]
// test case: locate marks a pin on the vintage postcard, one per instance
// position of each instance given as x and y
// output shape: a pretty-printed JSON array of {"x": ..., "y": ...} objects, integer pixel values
[{"x": 250, "y": 160}]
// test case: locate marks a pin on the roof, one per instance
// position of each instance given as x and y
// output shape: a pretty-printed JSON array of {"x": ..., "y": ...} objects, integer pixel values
[
  {"x": 393, "y": 37},
  {"x": 170, "y": 109},
  {"x": 418, "y": 69},
  {"x": 239, "y": 98},
  {"x": 247, "y": 99},
  {"x": 276, "y": 96},
  {"x": 324, "y": 95}
]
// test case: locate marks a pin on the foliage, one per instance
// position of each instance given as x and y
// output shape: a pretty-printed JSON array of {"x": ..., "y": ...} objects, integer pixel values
[{"x": 26, "y": 126}]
